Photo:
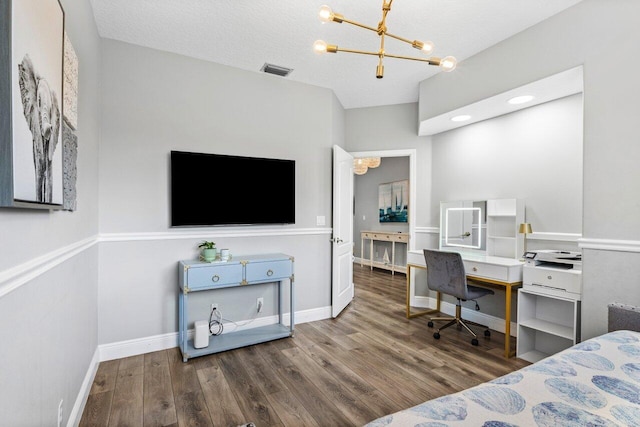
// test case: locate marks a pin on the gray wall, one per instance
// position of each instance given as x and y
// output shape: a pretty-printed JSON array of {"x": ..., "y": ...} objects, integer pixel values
[
  {"x": 48, "y": 285},
  {"x": 155, "y": 102},
  {"x": 611, "y": 176}
]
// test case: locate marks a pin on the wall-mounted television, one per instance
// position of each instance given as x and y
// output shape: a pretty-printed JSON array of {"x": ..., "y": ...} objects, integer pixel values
[{"x": 215, "y": 189}]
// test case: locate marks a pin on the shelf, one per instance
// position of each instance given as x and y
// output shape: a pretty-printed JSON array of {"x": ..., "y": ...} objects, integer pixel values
[
  {"x": 548, "y": 327},
  {"x": 533, "y": 356},
  {"x": 243, "y": 338}
]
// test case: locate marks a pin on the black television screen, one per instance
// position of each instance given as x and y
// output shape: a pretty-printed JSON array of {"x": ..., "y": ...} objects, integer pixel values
[{"x": 214, "y": 189}]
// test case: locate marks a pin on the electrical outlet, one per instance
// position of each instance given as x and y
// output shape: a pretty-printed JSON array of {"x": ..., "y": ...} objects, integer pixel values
[
  {"x": 259, "y": 304},
  {"x": 214, "y": 306},
  {"x": 60, "y": 412}
]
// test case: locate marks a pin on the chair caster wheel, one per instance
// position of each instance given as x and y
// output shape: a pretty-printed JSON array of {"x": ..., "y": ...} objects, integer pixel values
[
  {"x": 430, "y": 324},
  {"x": 436, "y": 335},
  {"x": 474, "y": 341},
  {"x": 487, "y": 333}
]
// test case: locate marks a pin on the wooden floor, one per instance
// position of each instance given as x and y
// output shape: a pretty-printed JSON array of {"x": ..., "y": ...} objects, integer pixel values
[{"x": 368, "y": 362}]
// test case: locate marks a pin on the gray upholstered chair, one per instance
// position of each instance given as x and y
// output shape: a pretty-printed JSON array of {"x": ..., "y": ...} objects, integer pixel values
[{"x": 446, "y": 274}]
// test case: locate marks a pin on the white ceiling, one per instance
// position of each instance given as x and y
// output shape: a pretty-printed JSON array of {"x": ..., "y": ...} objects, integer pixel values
[{"x": 247, "y": 33}]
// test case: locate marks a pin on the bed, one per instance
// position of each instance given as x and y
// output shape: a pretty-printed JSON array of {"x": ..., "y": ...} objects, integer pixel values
[{"x": 593, "y": 383}]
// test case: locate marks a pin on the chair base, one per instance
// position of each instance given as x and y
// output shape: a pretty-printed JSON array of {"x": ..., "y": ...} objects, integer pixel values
[{"x": 458, "y": 321}]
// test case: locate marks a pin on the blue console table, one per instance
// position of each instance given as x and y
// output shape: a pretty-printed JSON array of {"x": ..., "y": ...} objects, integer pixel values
[{"x": 197, "y": 276}]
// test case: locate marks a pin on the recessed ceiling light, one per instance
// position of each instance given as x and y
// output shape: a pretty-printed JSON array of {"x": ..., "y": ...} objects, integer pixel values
[
  {"x": 460, "y": 118},
  {"x": 520, "y": 99}
]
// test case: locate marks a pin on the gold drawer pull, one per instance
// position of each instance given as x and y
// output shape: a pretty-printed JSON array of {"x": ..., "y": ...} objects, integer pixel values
[
  {"x": 215, "y": 278},
  {"x": 270, "y": 273}
]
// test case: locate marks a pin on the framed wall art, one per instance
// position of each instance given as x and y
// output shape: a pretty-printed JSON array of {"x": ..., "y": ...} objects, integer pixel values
[
  {"x": 393, "y": 201},
  {"x": 31, "y": 103}
]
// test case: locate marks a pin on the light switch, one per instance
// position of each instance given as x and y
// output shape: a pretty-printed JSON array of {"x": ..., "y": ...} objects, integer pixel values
[
  {"x": 364, "y": 218},
  {"x": 320, "y": 220}
]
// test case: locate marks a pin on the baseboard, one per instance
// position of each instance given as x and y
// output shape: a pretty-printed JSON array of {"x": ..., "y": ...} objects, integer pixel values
[{"x": 78, "y": 407}]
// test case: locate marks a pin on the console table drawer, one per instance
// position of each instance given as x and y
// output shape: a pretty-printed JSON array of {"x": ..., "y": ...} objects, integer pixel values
[
  {"x": 268, "y": 271},
  {"x": 385, "y": 237},
  {"x": 488, "y": 271},
  {"x": 218, "y": 275}
]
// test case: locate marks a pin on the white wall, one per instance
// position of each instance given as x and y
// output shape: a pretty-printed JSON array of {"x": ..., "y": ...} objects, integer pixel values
[
  {"x": 48, "y": 270},
  {"x": 534, "y": 154},
  {"x": 155, "y": 102},
  {"x": 593, "y": 33}
]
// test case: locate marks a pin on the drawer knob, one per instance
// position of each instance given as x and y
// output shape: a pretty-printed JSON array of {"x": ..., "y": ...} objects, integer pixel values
[
  {"x": 215, "y": 278},
  {"x": 269, "y": 272},
  {"x": 549, "y": 277},
  {"x": 475, "y": 268}
]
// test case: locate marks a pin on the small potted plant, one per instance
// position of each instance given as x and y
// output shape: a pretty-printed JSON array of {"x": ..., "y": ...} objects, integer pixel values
[{"x": 208, "y": 253}]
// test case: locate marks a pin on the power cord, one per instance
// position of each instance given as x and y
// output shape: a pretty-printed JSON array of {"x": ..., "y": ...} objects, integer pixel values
[{"x": 215, "y": 325}]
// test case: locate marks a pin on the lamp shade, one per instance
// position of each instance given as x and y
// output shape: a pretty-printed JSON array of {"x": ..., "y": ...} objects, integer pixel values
[{"x": 525, "y": 228}]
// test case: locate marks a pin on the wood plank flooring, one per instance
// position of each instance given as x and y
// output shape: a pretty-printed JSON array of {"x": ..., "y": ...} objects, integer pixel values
[{"x": 368, "y": 362}]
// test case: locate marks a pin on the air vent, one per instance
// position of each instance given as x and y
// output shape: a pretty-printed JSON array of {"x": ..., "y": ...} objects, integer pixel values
[{"x": 276, "y": 69}]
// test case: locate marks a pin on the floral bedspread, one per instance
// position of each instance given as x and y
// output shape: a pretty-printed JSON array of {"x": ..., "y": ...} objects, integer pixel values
[{"x": 594, "y": 383}]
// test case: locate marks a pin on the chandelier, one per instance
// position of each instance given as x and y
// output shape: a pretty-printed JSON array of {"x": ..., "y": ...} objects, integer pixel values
[
  {"x": 327, "y": 15},
  {"x": 362, "y": 164}
]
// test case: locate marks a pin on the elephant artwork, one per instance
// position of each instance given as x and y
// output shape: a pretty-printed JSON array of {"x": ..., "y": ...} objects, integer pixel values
[{"x": 42, "y": 112}]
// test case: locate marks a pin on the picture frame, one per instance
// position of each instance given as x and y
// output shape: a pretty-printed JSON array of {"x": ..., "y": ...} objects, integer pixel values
[
  {"x": 393, "y": 201},
  {"x": 31, "y": 103}
]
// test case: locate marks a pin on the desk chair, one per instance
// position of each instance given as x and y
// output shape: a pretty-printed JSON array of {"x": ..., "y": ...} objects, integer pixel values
[{"x": 446, "y": 274}]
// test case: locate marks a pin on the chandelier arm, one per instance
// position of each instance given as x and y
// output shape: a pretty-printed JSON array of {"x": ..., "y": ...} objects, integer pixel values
[
  {"x": 358, "y": 24},
  {"x": 361, "y": 52},
  {"x": 430, "y": 61},
  {"x": 402, "y": 39}
]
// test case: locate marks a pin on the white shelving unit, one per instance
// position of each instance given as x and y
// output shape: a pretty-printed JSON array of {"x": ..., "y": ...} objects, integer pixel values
[
  {"x": 548, "y": 318},
  {"x": 504, "y": 216}
]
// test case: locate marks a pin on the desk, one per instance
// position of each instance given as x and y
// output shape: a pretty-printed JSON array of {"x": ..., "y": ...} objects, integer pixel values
[
  {"x": 383, "y": 236},
  {"x": 494, "y": 272}
]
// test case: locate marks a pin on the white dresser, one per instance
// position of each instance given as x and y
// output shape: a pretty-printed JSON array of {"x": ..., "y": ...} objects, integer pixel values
[{"x": 548, "y": 311}]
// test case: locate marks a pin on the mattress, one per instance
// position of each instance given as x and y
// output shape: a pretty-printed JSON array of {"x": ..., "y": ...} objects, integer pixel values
[{"x": 593, "y": 383}]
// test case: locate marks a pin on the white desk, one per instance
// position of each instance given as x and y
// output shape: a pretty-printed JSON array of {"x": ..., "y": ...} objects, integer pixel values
[{"x": 491, "y": 271}]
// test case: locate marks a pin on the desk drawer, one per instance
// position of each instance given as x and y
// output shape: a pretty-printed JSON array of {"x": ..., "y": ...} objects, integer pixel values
[
  {"x": 216, "y": 275},
  {"x": 488, "y": 271},
  {"x": 268, "y": 271}
]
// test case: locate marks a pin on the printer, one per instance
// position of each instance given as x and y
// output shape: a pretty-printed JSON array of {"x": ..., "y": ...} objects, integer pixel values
[
  {"x": 553, "y": 272},
  {"x": 554, "y": 259}
]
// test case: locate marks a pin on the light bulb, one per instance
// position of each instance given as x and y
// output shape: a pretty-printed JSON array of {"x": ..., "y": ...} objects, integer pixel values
[
  {"x": 320, "y": 47},
  {"x": 325, "y": 14},
  {"x": 427, "y": 47},
  {"x": 448, "y": 63}
]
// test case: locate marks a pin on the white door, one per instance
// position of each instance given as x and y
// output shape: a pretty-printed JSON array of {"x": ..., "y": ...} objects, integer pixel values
[{"x": 342, "y": 241}]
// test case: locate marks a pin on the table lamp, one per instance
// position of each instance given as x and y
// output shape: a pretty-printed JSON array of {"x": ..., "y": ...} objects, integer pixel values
[{"x": 525, "y": 228}]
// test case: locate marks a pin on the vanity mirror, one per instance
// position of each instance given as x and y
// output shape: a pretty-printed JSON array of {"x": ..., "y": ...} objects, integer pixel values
[
  {"x": 461, "y": 225},
  {"x": 482, "y": 227}
]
